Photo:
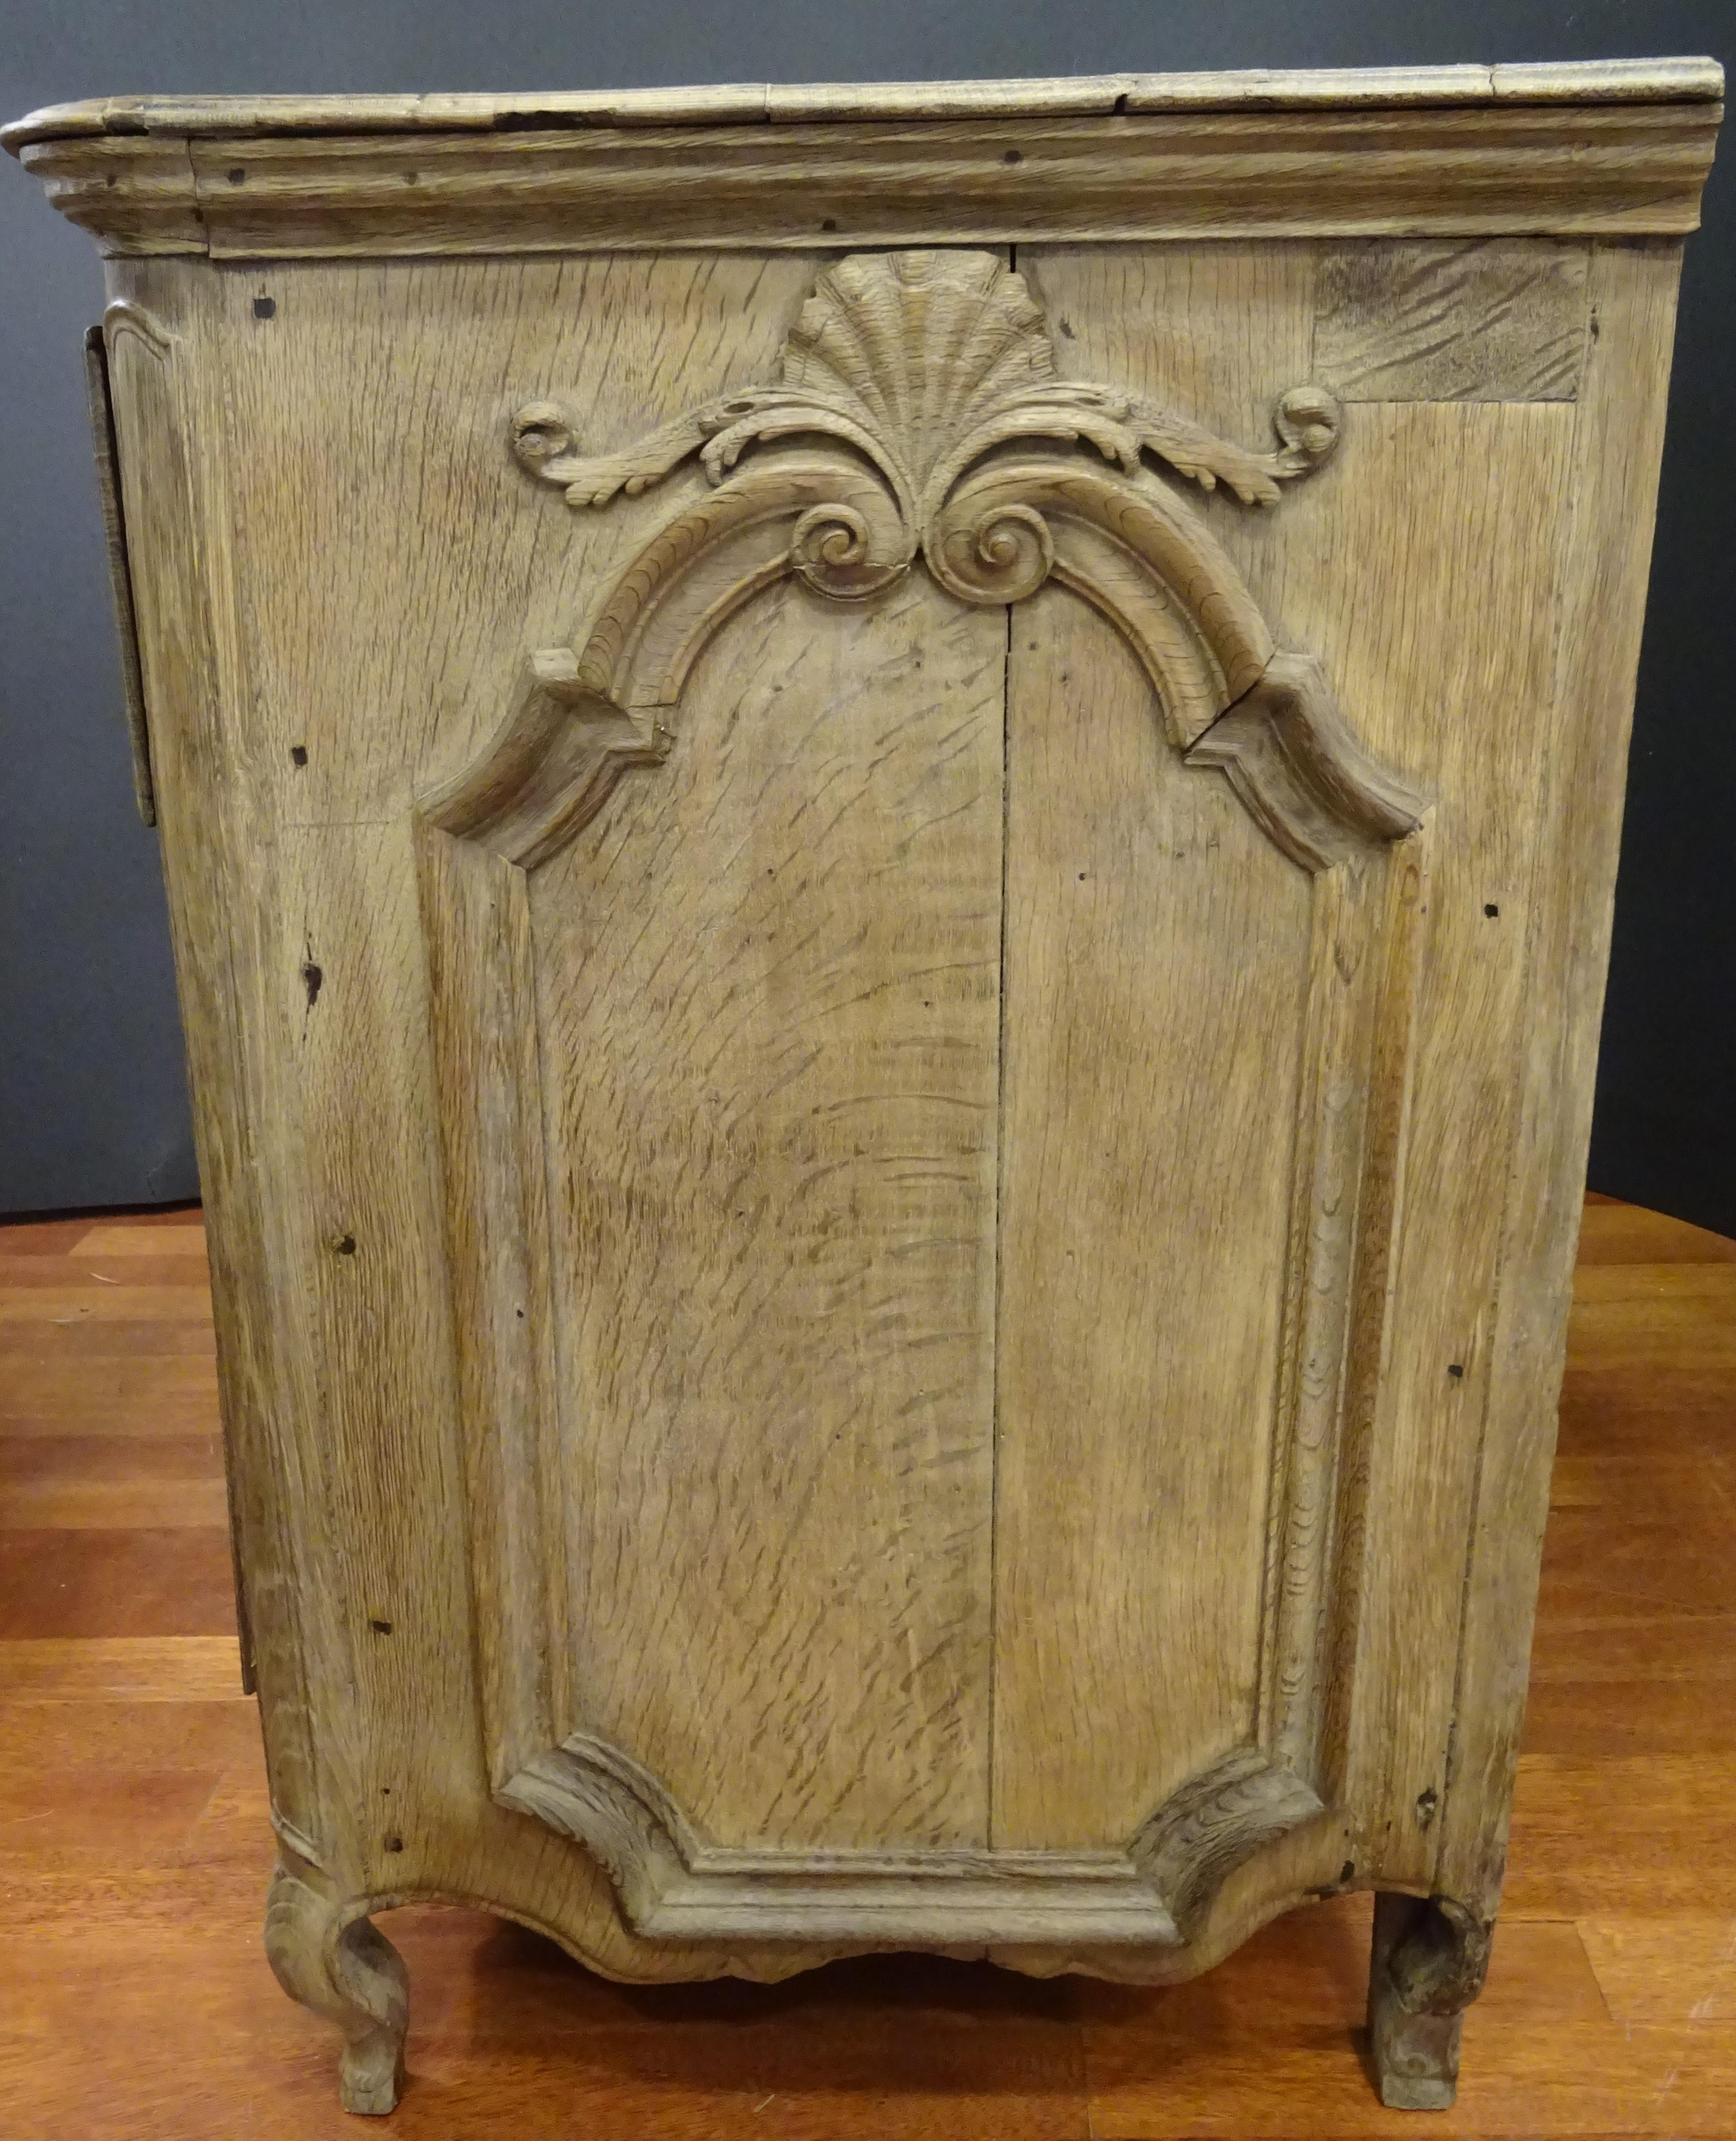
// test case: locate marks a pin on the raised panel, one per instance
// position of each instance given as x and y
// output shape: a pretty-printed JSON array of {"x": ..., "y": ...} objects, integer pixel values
[
  {"x": 1458, "y": 688},
  {"x": 768, "y": 1066},
  {"x": 744, "y": 1153},
  {"x": 1157, "y": 968}
]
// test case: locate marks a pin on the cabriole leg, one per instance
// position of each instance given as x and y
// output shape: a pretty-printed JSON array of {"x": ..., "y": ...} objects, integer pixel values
[
  {"x": 1426, "y": 1967},
  {"x": 349, "y": 1973}
]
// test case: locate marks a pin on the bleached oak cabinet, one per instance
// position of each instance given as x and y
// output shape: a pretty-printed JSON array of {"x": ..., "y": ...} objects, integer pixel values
[{"x": 889, "y": 815}]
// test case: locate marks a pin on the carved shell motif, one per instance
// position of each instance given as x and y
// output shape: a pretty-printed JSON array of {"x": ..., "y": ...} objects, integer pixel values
[
  {"x": 923, "y": 362},
  {"x": 921, "y": 349}
]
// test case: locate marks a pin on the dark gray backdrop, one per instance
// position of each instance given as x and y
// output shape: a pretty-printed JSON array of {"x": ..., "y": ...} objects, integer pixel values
[{"x": 93, "y": 1101}]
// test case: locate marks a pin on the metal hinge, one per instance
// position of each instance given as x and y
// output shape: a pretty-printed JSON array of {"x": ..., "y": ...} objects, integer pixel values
[{"x": 108, "y": 486}]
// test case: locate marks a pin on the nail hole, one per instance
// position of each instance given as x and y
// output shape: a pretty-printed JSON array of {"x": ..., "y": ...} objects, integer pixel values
[
  {"x": 1012, "y": 156},
  {"x": 298, "y": 754},
  {"x": 1456, "y": 1368},
  {"x": 238, "y": 177},
  {"x": 394, "y": 1843},
  {"x": 344, "y": 1245},
  {"x": 263, "y": 308},
  {"x": 1347, "y": 1872},
  {"x": 519, "y": 1313},
  {"x": 1492, "y": 910},
  {"x": 412, "y": 178},
  {"x": 381, "y": 1628},
  {"x": 830, "y": 224},
  {"x": 312, "y": 977}
]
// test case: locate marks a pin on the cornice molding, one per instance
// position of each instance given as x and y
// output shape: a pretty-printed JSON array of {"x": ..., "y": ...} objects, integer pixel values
[{"x": 1616, "y": 149}]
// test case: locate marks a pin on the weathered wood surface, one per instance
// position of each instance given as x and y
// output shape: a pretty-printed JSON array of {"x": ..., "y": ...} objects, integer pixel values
[
  {"x": 773, "y": 1234},
  {"x": 1506, "y": 320},
  {"x": 1235, "y": 318},
  {"x": 1617, "y": 441},
  {"x": 1143, "y": 1104},
  {"x": 1594, "y": 81},
  {"x": 1453, "y": 150},
  {"x": 922, "y": 364}
]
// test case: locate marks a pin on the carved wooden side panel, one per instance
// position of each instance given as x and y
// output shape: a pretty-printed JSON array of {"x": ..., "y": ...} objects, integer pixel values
[
  {"x": 1205, "y": 1065},
  {"x": 760, "y": 1193},
  {"x": 1424, "y": 564},
  {"x": 169, "y": 494},
  {"x": 769, "y": 1074}
]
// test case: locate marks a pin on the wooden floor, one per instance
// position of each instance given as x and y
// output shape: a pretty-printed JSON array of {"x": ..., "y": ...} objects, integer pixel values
[{"x": 135, "y": 2000}]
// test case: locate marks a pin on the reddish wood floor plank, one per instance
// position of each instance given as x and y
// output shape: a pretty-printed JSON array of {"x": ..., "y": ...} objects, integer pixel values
[
  {"x": 98, "y": 1582},
  {"x": 1271, "y": 2045},
  {"x": 1612, "y": 1233}
]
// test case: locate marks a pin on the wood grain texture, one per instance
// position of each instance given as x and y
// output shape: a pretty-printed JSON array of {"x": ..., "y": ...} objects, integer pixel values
[
  {"x": 1573, "y": 82},
  {"x": 188, "y": 655},
  {"x": 1503, "y": 321},
  {"x": 921, "y": 363},
  {"x": 1436, "y": 1382},
  {"x": 304, "y": 1186},
  {"x": 1219, "y": 316},
  {"x": 1617, "y": 442},
  {"x": 350, "y": 1975},
  {"x": 458, "y": 539},
  {"x": 773, "y": 1218},
  {"x": 1139, "y": 1203}
]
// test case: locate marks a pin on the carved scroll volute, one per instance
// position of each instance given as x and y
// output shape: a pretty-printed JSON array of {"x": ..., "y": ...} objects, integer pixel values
[
  {"x": 918, "y": 414},
  {"x": 588, "y": 713},
  {"x": 1136, "y": 553}
]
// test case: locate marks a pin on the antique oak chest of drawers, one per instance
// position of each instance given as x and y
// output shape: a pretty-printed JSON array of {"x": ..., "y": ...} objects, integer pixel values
[{"x": 890, "y": 817}]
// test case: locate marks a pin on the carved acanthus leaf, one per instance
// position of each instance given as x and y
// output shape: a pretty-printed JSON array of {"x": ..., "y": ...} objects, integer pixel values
[{"x": 924, "y": 363}]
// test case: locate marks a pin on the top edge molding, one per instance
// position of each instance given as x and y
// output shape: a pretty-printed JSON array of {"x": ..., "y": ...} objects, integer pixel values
[
  {"x": 1619, "y": 149},
  {"x": 1674, "y": 81}
]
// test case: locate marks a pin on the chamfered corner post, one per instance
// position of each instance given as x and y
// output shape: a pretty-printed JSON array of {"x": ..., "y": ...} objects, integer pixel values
[{"x": 1428, "y": 1964}]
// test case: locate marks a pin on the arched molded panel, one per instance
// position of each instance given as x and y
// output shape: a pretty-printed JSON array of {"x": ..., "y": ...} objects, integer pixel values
[{"x": 918, "y": 426}]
